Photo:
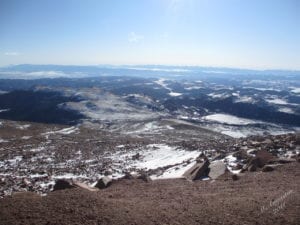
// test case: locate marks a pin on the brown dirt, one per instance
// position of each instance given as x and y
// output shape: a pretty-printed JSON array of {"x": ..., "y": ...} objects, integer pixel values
[{"x": 256, "y": 198}]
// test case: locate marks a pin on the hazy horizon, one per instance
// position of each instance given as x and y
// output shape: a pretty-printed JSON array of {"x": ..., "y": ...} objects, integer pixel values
[{"x": 256, "y": 35}]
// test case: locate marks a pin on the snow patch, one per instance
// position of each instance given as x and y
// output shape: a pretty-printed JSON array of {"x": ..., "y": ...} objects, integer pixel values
[
  {"x": 23, "y": 127},
  {"x": 3, "y": 141},
  {"x": 160, "y": 155},
  {"x": 234, "y": 133},
  {"x": 4, "y": 110},
  {"x": 245, "y": 99},
  {"x": 296, "y": 90},
  {"x": 38, "y": 149},
  {"x": 215, "y": 95},
  {"x": 26, "y": 137},
  {"x": 277, "y": 101},
  {"x": 175, "y": 94},
  {"x": 68, "y": 130},
  {"x": 69, "y": 176},
  {"x": 231, "y": 162},
  {"x": 161, "y": 82},
  {"x": 286, "y": 110},
  {"x": 229, "y": 119},
  {"x": 193, "y": 88},
  {"x": 154, "y": 156}
]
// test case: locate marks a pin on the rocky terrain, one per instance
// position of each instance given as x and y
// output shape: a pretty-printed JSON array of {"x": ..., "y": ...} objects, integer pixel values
[
  {"x": 163, "y": 171},
  {"x": 255, "y": 198},
  {"x": 34, "y": 156},
  {"x": 150, "y": 147}
]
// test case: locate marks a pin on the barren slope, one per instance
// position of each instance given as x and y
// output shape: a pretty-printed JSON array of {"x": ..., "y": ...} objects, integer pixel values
[{"x": 256, "y": 198}]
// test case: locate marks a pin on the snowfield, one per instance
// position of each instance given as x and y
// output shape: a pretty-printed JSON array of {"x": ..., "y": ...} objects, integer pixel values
[
  {"x": 154, "y": 156},
  {"x": 286, "y": 110},
  {"x": 277, "y": 101},
  {"x": 162, "y": 83},
  {"x": 68, "y": 130},
  {"x": 4, "y": 110},
  {"x": 296, "y": 90},
  {"x": 104, "y": 106},
  {"x": 175, "y": 94},
  {"x": 229, "y": 119}
]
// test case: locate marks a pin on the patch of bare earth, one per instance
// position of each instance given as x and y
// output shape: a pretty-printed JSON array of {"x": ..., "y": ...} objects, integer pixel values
[{"x": 255, "y": 198}]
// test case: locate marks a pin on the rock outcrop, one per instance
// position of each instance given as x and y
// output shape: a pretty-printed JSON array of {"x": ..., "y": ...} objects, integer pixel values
[{"x": 199, "y": 170}]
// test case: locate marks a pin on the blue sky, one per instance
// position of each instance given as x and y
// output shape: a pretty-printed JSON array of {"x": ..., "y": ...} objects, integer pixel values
[{"x": 258, "y": 34}]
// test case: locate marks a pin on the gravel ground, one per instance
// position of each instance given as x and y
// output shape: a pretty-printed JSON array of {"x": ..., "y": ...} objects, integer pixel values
[{"x": 256, "y": 198}]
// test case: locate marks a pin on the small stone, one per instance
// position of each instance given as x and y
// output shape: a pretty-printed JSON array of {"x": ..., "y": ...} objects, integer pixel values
[
  {"x": 267, "y": 168},
  {"x": 235, "y": 177},
  {"x": 136, "y": 156},
  {"x": 108, "y": 172},
  {"x": 144, "y": 177}
]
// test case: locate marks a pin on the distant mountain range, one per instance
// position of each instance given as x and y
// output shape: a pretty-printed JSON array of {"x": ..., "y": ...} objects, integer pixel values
[
  {"x": 201, "y": 95},
  {"x": 29, "y": 71}
]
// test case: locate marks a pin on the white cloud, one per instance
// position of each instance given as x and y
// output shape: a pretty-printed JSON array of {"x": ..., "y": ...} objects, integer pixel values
[
  {"x": 133, "y": 37},
  {"x": 12, "y": 53}
]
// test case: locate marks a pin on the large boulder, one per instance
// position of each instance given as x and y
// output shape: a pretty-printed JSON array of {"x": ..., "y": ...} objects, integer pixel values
[
  {"x": 264, "y": 157},
  {"x": 216, "y": 169},
  {"x": 62, "y": 184},
  {"x": 200, "y": 169},
  {"x": 104, "y": 182}
]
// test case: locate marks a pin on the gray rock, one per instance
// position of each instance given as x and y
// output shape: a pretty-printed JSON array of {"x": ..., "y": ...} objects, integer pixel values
[
  {"x": 264, "y": 157},
  {"x": 108, "y": 172},
  {"x": 104, "y": 182},
  {"x": 197, "y": 171},
  {"x": 136, "y": 156},
  {"x": 130, "y": 176},
  {"x": 216, "y": 169},
  {"x": 267, "y": 168},
  {"x": 62, "y": 184},
  {"x": 144, "y": 177}
]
